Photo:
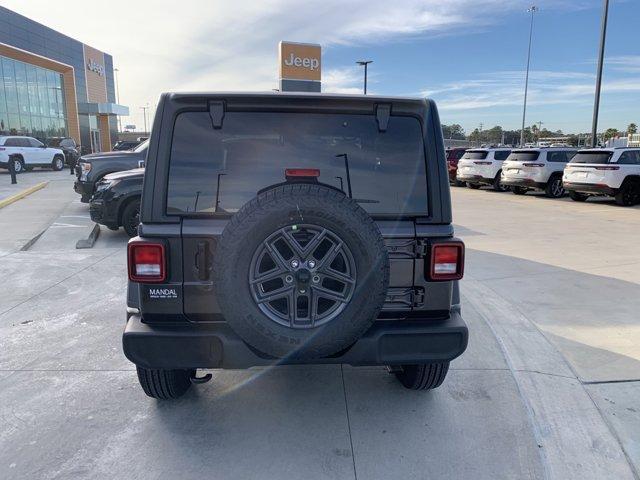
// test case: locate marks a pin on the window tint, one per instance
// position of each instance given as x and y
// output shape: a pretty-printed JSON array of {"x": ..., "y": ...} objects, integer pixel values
[
  {"x": 475, "y": 155},
  {"x": 523, "y": 156},
  {"x": 34, "y": 143},
  {"x": 68, "y": 143},
  {"x": 631, "y": 157},
  {"x": 24, "y": 142},
  {"x": 556, "y": 157},
  {"x": 501, "y": 154},
  {"x": 12, "y": 142},
  {"x": 252, "y": 150},
  {"x": 592, "y": 157}
]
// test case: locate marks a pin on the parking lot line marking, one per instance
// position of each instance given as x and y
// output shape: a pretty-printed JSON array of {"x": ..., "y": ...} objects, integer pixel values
[{"x": 22, "y": 194}]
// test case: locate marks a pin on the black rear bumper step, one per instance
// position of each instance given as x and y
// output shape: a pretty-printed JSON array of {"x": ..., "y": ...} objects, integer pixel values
[{"x": 217, "y": 346}]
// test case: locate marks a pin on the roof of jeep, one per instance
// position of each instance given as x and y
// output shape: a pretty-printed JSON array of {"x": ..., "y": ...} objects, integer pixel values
[
  {"x": 318, "y": 95},
  {"x": 302, "y": 99}
]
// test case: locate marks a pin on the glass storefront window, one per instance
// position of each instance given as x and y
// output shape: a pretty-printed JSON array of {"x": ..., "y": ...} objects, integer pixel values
[
  {"x": 9, "y": 81},
  {"x": 31, "y": 100}
]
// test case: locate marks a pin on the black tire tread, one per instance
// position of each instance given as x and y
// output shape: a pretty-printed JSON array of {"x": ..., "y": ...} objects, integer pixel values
[
  {"x": 164, "y": 384},
  {"x": 126, "y": 211},
  {"x": 424, "y": 376}
]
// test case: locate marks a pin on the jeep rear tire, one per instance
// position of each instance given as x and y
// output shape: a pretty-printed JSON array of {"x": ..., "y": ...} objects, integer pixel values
[
  {"x": 519, "y": 190},
  {"x": 423, "y": 376},
  {"x": 473, "y": 186},
  {"x": 164, "y": 384},
  {"x": 301, "y": 271}
]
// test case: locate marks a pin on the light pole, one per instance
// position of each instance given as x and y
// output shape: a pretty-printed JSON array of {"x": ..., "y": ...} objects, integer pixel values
[
  {"x": 533, "y": 9},
  {"x": 118, "y": 99},
  {"x": 364, "y": 64},
  {"x": 596, "y": 103},
  {"x": 115, "y": 70},
  {"x": 144, "y": 112}
]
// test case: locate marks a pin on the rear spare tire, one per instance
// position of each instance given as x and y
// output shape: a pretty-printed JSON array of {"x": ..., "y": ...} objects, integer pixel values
[{"x": 301, "y": 271}]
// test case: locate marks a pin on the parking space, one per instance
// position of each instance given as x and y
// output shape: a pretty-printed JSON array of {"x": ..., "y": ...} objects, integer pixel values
[{"x": 551, "y": 298}]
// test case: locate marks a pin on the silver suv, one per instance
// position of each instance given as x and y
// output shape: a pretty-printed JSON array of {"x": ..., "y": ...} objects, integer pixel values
[{"x": 537, "y": 169}]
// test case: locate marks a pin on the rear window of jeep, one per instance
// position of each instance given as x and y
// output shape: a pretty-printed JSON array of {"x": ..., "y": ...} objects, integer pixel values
[{"x": 216, "y": 171}]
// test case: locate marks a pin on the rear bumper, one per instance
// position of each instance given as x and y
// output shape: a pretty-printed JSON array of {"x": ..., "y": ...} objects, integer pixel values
[
  {"x": 591, "y": 188},
  {"x": 475, "y": 179},
  {"x": 217, "y": 346},
  {"x": 523, "y": 182}
]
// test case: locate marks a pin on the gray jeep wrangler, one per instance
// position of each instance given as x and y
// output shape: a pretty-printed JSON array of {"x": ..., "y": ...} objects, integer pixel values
[{"x": 282, "y": 228}]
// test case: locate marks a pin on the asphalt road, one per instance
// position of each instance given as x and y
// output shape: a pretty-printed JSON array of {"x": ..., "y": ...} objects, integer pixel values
[{"x": 547, "y": 389}]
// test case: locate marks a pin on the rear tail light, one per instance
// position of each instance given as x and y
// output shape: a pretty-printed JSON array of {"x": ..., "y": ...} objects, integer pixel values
[
  {"x": 607, "y": 168},
  {"x": 147, "y": 262},
  {"x": 533, "y": 164},
  {"x": 482, "y": 163},
  {"x": 302, "y": 172},
  {"x": 447, "y": 261}
]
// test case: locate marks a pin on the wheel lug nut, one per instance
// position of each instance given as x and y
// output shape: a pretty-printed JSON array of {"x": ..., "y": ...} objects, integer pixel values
[
  {"x": 294, "y": 263},
  {"x": 288, "y": 279},
  {"x": 311, "y": 263},
  {"x": 315, "y": 279}
]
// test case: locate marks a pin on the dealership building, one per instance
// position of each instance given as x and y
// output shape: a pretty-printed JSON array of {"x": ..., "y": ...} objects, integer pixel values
[{"x": 52, "y": 85}]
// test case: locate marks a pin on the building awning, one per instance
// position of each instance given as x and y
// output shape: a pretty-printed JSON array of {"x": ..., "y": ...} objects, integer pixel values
[{"x": 102, "y": 109}]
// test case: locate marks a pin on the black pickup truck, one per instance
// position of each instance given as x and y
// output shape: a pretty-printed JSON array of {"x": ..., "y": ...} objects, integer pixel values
[
  {"x": 293, "y": 228},
  {"x": 90, "y": 169}
]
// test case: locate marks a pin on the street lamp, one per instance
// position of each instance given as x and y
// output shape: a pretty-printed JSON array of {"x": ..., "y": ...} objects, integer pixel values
[
  {"x": 364, "y": 64},
  {"x": 144, "y": 112},
  {"x": 533, "y": 9},
  {"x": 596, "y": 103},
  {"x": 118, "y": 98}
]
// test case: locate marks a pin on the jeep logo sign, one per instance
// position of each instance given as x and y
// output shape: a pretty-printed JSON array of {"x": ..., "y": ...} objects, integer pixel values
[
  {"x": 300, "y": 61},
  {"x": 95, "y": 67}
]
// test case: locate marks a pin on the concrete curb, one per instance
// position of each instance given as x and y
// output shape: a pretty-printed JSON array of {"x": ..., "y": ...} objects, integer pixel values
[
  {"x": 91, "y": 239},
  {"x": 22, "y": 194},
  {"x": 574, "y": 439}
]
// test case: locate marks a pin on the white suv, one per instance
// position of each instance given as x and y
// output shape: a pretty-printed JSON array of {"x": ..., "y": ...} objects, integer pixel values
[
  {"x": 27, "y": 152},
  {"x": 605, "y": 171},
  {"x": 537, "y": 169},
  {"x": 482, "y": 166}
]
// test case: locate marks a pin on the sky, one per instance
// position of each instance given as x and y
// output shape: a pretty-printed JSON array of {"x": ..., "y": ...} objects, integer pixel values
[{"x": 468, "y": 55}]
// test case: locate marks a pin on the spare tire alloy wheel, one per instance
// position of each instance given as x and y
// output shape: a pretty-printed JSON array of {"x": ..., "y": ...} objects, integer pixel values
[
  {"x": 301, "y": 271},
  {"x": 302, "y": 276}
]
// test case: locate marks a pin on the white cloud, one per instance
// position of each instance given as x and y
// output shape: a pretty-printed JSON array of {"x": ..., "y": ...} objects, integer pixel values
[
  {"x": 217, "y": 45},
  {"x": 506, "y": 88}
]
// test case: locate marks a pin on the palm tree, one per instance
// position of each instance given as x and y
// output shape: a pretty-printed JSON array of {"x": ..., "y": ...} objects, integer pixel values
[{"x": 632, "y": 128}]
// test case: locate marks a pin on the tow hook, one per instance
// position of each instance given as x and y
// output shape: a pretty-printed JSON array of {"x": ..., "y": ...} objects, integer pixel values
[{"x": 199, "y": 380}]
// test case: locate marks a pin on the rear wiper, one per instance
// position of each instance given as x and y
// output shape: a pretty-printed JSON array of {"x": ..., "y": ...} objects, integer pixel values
[{"x": 346, "y": 166}]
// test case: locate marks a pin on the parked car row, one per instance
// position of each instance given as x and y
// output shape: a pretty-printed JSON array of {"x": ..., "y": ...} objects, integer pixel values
[
  {"x": 555, "y": 171},
  {"x": 111, "y": 182}
]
